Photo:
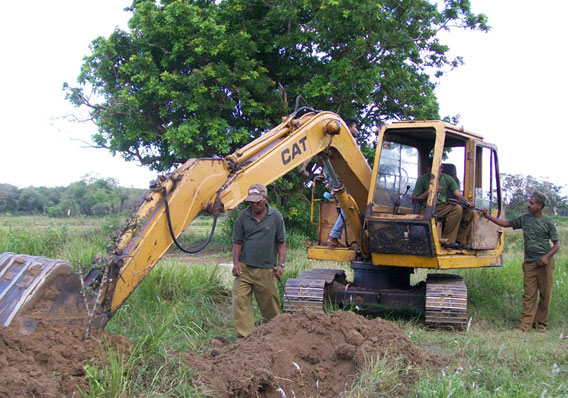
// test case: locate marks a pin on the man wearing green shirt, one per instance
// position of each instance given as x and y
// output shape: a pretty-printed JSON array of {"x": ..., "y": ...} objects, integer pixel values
[
  {"x": 457, "y": 220},
  {"x": 538, "y": 265},
  {"x": 259, "y": 237}
]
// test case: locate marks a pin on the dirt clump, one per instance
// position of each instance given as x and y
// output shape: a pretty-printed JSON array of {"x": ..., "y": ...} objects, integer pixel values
[
  {"x": 48, "y": 363},
  {"x": 305, "y": 354}
]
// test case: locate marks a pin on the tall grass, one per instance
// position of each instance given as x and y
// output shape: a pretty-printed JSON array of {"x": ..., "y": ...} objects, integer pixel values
[
  {"x": 149, "y": 370},
  {"x": 48, "y": 243},
  {"x": 176, "y": 308},
  {"x": 194, "y": 297},
  {"x": 382, "y": 377},
  {"x": 180, "y": 307},
  {"x": 73, "y": 240}
]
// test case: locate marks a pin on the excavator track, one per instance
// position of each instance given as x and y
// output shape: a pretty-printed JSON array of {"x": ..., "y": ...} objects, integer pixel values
[
  {"x": 446, "y": 301},
  {"x": 310, "y": 289}
]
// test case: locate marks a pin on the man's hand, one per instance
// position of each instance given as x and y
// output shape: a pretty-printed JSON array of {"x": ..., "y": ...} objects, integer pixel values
[
  {"x": 278, "y": 270},
  {"x": 543, "y": 262},
  {"x": 237, "y": 270},
  {"x": 484, "y": 212},
  {"x": 422, "y": 196}
]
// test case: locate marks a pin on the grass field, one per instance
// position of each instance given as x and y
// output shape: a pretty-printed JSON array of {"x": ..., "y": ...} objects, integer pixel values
[{"x": 185, "y": 301}]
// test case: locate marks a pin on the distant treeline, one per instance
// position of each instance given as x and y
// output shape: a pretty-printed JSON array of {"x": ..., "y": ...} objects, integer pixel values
[
  {"x": 101, "y": 197},
  {"x": 517, "y": 190},
  {"x": 88, "y": 197}
]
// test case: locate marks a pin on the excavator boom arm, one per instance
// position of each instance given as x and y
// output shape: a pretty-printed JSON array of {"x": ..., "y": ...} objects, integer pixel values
[
  {"x": 199, "y": 185},
  {"x": 194, "y": 187}
]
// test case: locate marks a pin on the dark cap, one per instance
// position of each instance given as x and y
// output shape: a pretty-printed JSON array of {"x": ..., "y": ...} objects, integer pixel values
[
  {"x": 256, "y": 193},
  {"x": 540, "y": 197}
]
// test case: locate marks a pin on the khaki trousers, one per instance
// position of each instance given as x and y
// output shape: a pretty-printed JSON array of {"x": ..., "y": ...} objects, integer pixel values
[
  {"x": 538, "y": 282},
  {"x": 457, "y": 222},
  {"x": 262, "y": 283}
]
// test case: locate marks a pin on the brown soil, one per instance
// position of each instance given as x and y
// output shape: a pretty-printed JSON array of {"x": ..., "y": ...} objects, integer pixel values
[
  {"x": 48, "y": 363},
  {"x": 305, "y": 354}
]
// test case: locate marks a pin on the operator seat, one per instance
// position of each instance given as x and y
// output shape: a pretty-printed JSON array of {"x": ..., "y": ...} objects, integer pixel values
[{"x": 450, "y": 169}]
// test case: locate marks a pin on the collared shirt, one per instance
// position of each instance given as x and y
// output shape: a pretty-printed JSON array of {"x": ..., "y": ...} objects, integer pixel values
[
  {"x": 446, "y": 182},
  {"x": 259, "y": 240},
  {"x": 537, "y": 233}
]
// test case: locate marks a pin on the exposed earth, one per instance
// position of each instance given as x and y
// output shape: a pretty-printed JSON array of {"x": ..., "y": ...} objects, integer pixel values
[
  {"x": 301, "y": 354},
  {"x": 48, "y": 363},
  {"x": 306, "y": 354}
]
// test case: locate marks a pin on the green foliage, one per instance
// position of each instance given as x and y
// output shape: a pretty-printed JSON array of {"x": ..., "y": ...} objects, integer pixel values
[
  {"x": 497, "y": 364},
  {"x": 381, "y": 377},
  {"x": 84, "y": 247},
  {"x": 288, "y": 197},
  {"x": 112, "y": 377},
  {"x": 125, "y": 375},
  {"x": 225, "y": 233},
  {"x": 193, "y": 298},
  {"x": 34, "y": 242},
  {"x": 517, "y": 190},
  {"x": 194, "y": 78},
  {"x": 8, "y": 198},
  {"x": 88, "y": 197},
  {"x": 71, "y": 239},
  {"x": 180, "y": 307}
]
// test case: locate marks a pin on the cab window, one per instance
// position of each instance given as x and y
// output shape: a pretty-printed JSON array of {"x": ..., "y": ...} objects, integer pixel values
[
  {"x": 397, "y": 174},
  {"x": 487, "y": 179}
]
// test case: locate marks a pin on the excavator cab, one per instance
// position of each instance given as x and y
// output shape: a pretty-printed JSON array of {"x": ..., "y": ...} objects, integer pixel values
[{"x": 404, "y": 234}]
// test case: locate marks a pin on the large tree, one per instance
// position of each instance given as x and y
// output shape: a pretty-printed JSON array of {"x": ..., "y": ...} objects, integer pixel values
[
  {"x": 518, "y": 188},
  {"x": 193, "y": 78}
]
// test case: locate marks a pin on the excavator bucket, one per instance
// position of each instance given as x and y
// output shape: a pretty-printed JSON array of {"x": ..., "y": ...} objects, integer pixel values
[{"x": 38, "y": 289}]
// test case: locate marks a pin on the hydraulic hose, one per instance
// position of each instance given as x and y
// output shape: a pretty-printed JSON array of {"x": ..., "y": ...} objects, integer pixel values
[{"x": 183, "y": 249}]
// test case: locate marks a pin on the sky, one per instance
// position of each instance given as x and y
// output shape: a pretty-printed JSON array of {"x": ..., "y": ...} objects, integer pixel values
[{"x": 512, "y": 89}]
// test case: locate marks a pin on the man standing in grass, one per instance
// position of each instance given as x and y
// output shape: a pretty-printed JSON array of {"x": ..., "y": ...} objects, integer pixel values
[
  {"x": 259, "y": 237},
  {"x": 538, "y": 265}
]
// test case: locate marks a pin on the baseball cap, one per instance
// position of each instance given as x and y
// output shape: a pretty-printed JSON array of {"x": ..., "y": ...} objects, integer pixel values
[
  {"x": 540, "y": 197},
  {"x": 256, "y": 193}
]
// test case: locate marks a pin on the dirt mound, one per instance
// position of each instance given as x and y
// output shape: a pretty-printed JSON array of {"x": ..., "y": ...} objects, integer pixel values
[
  {"x": 304, "y": 354},
  {"x": 47, "y": 363},
  {"x": 301, "y": 354}
]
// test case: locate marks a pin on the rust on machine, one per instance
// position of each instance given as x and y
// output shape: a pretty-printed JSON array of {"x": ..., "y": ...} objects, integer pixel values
[{"x": 37, "y": 290}]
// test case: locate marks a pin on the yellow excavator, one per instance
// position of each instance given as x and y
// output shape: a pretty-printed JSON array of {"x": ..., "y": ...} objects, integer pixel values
[{"x": 386, "y": 236}]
